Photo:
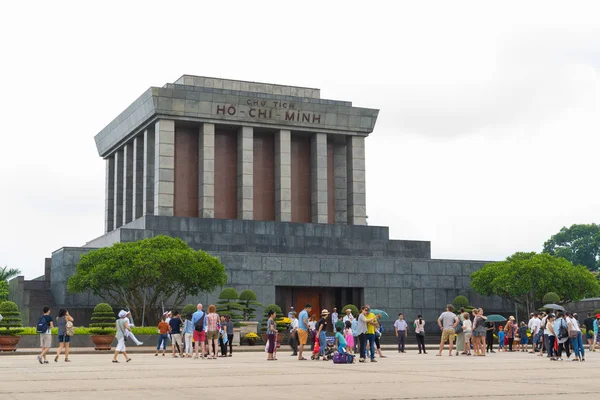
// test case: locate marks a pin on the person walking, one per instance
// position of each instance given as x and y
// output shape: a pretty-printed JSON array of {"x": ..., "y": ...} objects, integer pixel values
[
  {"x": 44, "y": 326},
  {"x": 294, "y": 335},
  {"x": 447, "y": 321},
  {"x": 303, "y": 330},
  {"x": 129, "y": 333},
  {"x": 212, "y": 331},
  {"x": 401, "y": 328},
  {"x": 199, "y": 319},
  {"x": 419, "y": 326},
  {"x": 322, "y": 331},
  {"x": 64, "y": 322},
  {"x": 576, "y": 338},
  {"x": 188, "y": 335},
  {"x": 122, "y": 325},
  {"x": 271, "y": 335}
]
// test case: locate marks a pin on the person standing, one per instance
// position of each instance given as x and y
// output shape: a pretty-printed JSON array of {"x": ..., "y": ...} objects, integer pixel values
[
  {"x": 290, "y": 312},
  {"x": 460, "y": 334},
  {"x": 509, "y": 330},
  {"x": 64, "y": 333},
  {"x": 551, "y": 337},
  {"x": 271, "y": 335},
  {"x": 419, "y": 325},
  {"x": 561, "y": 330},
  {"x": 467, "y": 332},
  {"x": 401, "y": 328},
  {"x": 122, "y": 325},
  {"x": 576, "y": 338},
  {"x": 199, "y": 319},
  {"x": 349, "y": 336},
  {"x": 489, "y": 337},
  {"x": 303, "y": 329},
  {"x": 188, "y": 334},
  {"x": 334, "y": 319},
  {"x": 212, "y": 331},
  {"x": 534, "y": 327},
  {"x": 322, "y": 331},
  {"x": 348, "y": 316},
  {"x": 589, "y": 330},
  {"x": 230, "y": 327},
  {"x": 294, "y": 335},
  {"x": 223, "y": 338},
  {"x": 44, "y": 326},
  {"x": 372, "y": 324},
  {"x": 163, "y": 334},
  {"x": 176, "y": 343},
  {"x": 447, "y": 322},
  {"x": 523, "y": 336}
]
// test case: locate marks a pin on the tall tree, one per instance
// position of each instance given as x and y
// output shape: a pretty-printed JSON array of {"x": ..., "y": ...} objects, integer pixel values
[
  {"x": 579, "y": 244},
  {"x": 144, "y": 275},
  {"x": 6, "y": 274},
  {"x": 525, "y": 278}
]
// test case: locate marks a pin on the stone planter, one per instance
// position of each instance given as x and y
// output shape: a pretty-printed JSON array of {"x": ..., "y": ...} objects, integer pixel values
[
  {"x": 102, "y": 342},
  {"x": 9, "y": 343},
  {"x": 251, "y": 342},
  {"x": 247, "y": 327},
  {"x": 236, "y": 336}
]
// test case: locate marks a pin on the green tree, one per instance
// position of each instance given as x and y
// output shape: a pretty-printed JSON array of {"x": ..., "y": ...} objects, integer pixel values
[
  {"x": 188, "y": 309},
  {"x": 551, "y": 298},
  {"x": 11, "y": 323},
  {"x": 579, "y": 244},
  {"x": 228, "y": 305},
  {"x": 144, "y": 275},
  {"x": 6, "y": 274},
  {"x": 248, "y": 301},
  {"x": 524, "y": 278},
  {"x": 460, "y": 301}
]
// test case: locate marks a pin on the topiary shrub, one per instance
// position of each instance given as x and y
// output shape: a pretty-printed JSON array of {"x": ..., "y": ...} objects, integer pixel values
[
  {"x": 352, "y": 307},
  {"x": 551, "y": 298},
  {"x": 11, "y": 324},
  {"x": 460, "y": 301},
  {"x": 228, "y": 305},
  {"x": 248, "y": 302},
  {"x": 103, "y": 320},
  {"x": 188, "y": 309}
]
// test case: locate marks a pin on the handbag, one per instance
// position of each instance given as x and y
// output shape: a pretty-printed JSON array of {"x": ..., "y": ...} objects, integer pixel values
[{"x": 69, "y": 328}]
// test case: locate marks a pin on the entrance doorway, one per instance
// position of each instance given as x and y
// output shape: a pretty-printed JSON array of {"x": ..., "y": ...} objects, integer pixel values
[{"x": 318, "y": 297}]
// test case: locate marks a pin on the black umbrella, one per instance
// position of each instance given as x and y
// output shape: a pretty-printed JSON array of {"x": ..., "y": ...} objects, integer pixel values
[{"x": 554, "y": 307}]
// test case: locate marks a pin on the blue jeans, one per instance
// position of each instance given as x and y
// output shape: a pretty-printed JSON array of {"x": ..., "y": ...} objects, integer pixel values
[
  {"x": 322, "y": 342},
  {"x": 577, "y": 344},
  {"x": 371, "y": 340},
  {"x": 162, "y": 338}
]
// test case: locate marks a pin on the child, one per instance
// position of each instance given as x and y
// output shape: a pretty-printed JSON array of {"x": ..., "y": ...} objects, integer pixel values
[
  {"x": 128, "y": 331},
  {"x": 500, "y": 338},
  {"x": 349, "y": 337},
  {"x": 340, "y": 340},
  {"x": 468, "y": 331},
  {"x": 163, "y": 330},
  {"x": 523, "y": 337}
]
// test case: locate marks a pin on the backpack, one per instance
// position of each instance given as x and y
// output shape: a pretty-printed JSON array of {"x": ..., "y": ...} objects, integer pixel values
[
  {"x": 69, "y": 328},
  {"x": 199, "y": 325},
  {"x": 563, "y": 332},
  {"x": 42, "y": 325}
]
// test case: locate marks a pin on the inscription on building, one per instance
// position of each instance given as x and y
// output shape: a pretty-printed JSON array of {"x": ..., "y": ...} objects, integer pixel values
[{"x": 261, "y": 109}]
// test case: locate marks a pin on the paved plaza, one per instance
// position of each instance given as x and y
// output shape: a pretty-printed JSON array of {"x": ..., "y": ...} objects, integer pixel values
[{"x": 249, "y": 376}]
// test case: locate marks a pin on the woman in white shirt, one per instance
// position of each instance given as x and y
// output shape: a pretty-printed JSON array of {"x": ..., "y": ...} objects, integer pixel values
[
  {"x": 420, "y": 333},
  {"x": 468, "y": 331},
  {"x": 576, "y": 338}
]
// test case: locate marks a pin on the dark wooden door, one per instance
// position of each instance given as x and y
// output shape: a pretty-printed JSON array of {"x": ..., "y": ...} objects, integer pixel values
[{"x": 312, "y": 297}]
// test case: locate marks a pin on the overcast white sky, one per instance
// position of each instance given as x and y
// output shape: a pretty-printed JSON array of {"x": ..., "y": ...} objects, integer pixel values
[{"x": 486, "y": 142}]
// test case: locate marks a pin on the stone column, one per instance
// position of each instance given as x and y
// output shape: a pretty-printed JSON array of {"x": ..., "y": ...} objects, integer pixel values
[
  {"x": 340, "y": 183},
  {"x": 127, "y": 182},
  {"x": 109, "y": 196},
  {"x": 148, "y": 178},
  {"x": 283, "y": 176},
  {"x": 138, "y": 177},
  {"x": 206, "y": 171},
  {"x": 164, "y": 167},
  {"x": 245, "y": 173},
  {"x": 355, "y": 158},
  {"x": 318, "y": 177},
  {"x": 118, "y": 191}
]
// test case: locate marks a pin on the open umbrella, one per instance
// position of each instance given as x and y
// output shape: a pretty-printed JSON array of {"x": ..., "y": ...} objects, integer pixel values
[
  {"x": 383, "y": 314},
  {"x": 554, "y": 307},
  {"x": 495, "y": 318}
]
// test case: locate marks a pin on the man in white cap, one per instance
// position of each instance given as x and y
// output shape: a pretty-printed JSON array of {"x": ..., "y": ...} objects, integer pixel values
[{"x": 292, "y": 311}]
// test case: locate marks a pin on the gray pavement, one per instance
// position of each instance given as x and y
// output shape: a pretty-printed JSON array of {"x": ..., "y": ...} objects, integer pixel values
[{"x": 249, "y": 376}]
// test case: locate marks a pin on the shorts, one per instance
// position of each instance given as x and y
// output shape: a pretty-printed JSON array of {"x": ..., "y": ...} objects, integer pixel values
[
  {"x": 524, "y": 340},
  {"x": 45, "y": 340},
  {"x": 479, "y": 331},
  {"x": 176, "y": 339},
  {"x": 467, "y": 336},
  {"x": 448, "y": 335},
  {"x": 64, "y": 339},
  {"x": 302, "y": 336},
  {"x": 121, "y": 345},
  {"x": 199, "y": 337},
  {"x": 210, "y": 335},
  {"x": 589, "y": 334}
]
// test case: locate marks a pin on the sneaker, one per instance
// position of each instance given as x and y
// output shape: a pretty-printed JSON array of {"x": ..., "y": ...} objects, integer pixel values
[
  {"x": 373, "y": 360},
  {"x": 362, "y": 360},
  {"x": 40, "y": 359}
]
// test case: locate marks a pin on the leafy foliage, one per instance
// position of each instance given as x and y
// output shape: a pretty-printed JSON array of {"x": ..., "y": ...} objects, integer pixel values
[
  {"x": 11, "y": 323},
  {"x": 228, "y": 305},
  {"x": 551, "y": 298},
  {"x": 6, "y": 274},
  {"x": 3, "y": 291},
  {"x": 188, "y": 309},
  {"x": 352, "y": 307},
  {"x": 103, "y": 320},
  {"x": 460, "y": 301},
  {"x": 579, "y": 244},
  {"x": 151, "y": 272},
  {"x": 596, "y": 312},
  {"x": 248, "y": 301},
  {"x": 524, "y": 278}
]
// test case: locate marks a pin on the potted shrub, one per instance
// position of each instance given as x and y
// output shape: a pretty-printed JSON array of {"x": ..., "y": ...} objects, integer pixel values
[
  {"x": 351, "y": 307},
  {"x": 102, "y": 327},
  {"x": 10, "y": 326},
  {"x": 248, "y": 302},
  {"x": 251, "y": 338}
]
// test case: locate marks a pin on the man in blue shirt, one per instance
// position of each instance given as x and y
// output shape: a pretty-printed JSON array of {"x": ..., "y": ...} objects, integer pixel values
[
  {"x": 303, "y": 329},
  {"x": 199, "y": 330}
]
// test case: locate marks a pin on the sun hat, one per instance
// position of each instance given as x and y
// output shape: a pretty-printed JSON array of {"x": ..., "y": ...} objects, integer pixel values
[
  {"x": 324, "y": 312},
  {"x": 122, "y": 313},
  {"x": 348, "y": 309}
]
